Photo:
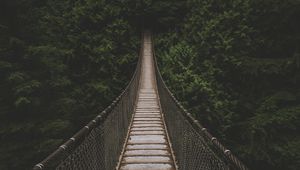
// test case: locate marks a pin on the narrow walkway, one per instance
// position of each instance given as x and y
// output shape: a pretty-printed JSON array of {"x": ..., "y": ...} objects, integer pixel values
[{"x": 147, "y": 146}]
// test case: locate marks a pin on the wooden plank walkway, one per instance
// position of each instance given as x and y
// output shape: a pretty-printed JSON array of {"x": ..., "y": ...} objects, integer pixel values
[{"x": 147, "y": 145}]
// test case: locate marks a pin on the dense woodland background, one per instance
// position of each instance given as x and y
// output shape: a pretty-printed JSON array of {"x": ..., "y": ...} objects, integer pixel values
[{"x": 235, "y": 64}]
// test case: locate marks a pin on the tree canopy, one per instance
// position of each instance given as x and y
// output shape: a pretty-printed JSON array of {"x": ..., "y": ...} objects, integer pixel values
[{"x": 234, "y": 64}]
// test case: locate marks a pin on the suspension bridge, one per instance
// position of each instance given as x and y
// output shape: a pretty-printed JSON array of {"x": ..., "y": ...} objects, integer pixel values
[{"x": 144, "y": 128}]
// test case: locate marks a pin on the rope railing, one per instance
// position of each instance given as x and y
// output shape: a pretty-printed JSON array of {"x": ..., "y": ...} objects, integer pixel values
[
  {"x": 98, "y": 145},
  {"x": 194, "y": 147}
]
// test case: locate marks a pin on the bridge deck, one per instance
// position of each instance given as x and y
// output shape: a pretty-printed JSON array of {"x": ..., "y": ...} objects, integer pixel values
[{"x": 147, "y": 146}]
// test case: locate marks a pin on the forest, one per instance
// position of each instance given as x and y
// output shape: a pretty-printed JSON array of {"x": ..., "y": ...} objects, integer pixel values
[{"x": 235, "y": 65}]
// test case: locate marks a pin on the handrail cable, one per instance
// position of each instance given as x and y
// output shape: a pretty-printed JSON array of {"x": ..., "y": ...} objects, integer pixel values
[{"x": 98, "y": 145}]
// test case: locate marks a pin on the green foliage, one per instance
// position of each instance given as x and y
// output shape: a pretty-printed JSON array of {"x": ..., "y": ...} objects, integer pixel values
[
  {"x": 58, "y": 70},
  {"x": 235, "y": 65}
]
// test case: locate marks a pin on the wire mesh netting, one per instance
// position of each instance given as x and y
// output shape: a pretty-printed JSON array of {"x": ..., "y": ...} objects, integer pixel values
[
  {"x": 191, "y": 150},
  {"x": 99, "y": 144},
  {"x": 193, "y": 146}
]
